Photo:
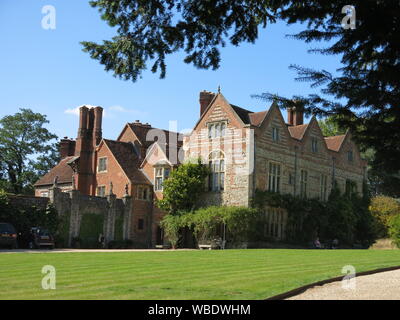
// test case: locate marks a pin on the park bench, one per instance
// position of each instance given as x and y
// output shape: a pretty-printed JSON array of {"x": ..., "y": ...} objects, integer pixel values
[{"x": 205, "y": 246}]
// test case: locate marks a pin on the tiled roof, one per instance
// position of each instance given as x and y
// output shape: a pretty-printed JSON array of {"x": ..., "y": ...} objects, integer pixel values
[
  {"x": 142, "y": 130},
  {"x": 249, "y": 117},
  {"x": 334, "y": 143},
  {"x": 297, "y": 132},
  {"x": 127, "y": 158},
  {"x": 62, "y": 170}
]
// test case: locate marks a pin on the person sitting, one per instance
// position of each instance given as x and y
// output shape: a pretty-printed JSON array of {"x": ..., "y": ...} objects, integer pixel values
[{"x": 317, "y": 244}]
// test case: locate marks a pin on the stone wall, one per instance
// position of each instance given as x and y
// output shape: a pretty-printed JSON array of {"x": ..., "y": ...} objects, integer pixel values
[
  {"x": 25, "y": 202},
  {"x": 84, "y": 213}
]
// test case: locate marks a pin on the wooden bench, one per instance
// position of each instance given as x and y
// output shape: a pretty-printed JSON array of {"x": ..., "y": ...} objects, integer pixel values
[{"x": 205, "y": 246}]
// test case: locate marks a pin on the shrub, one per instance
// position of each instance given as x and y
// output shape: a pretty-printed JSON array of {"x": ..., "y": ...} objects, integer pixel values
[
  {"x": 394, "y": 229},
  {"x": 383, "y": 208}
]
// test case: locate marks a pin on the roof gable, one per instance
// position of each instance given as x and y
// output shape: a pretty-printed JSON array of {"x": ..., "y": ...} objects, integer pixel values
[
  {"x": 62, "y": 170},
  {"x": 125, "y": 155}
]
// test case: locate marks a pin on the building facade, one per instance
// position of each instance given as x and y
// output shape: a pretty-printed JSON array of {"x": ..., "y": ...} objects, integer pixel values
[{"x": 245, "y": 151}]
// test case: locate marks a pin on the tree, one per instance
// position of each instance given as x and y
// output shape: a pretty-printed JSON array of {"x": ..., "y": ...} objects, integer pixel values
[
  {"x": 384, "y": 209},
  {"x": 183, "y": 187},
  {"x": 330, "y": 127},
  {"x": 27, "y": 150},
  {"x": 365, "y": 91}
]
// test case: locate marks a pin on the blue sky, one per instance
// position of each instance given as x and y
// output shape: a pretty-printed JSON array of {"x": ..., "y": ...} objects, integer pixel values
[{"x": 47, "y": 71}]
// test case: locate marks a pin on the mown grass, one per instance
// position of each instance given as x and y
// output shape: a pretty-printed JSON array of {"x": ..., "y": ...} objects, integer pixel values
[{"x": 229, "y": 274}]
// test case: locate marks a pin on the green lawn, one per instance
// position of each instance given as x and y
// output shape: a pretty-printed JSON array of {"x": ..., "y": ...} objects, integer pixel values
[{"x": 230, "y": 274}]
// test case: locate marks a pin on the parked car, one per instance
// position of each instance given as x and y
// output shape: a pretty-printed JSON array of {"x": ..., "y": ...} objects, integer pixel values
[
  {"x": 40, "y": 237},
  {"x": 8, "y": 236}
]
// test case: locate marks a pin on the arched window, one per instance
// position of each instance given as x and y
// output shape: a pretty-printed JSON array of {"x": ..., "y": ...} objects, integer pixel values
[{"x": 216, "y": 180}]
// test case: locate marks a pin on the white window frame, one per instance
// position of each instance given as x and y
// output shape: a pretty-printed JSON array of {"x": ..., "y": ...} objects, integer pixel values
[
  {"x": 216, "y": 179},
  {"x": 160, "y": 175},
  {"x": 101, "y": 194},
  {"x": 99, "y": 170},
  {"x": 217, "y": 129}
]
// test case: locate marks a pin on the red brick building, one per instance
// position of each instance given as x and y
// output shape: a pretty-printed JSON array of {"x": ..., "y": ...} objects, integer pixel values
[{"x": 246, "y": 151}]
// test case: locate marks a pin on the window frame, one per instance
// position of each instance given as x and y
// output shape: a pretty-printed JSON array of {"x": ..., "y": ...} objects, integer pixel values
[
  {"x": 217, "y": 129},
  {"x": 274, "y": 176},
  {"x": 276, "y": 134},
  {"x": 98, "y": 194},
  {"x": 216, "y": 178},
  {"x": 159, "y": 178},
  {"x": 106, "y": 165},
  {"x": 303, "y": 183},
  {"x": 314, "y": 145}
]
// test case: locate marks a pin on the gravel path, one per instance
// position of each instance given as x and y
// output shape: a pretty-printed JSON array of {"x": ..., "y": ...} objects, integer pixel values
[{"x": 378, "y": 286}]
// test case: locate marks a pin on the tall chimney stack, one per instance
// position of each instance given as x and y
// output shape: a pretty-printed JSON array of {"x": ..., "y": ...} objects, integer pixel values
[
  {"x": 295, "y": 116},
  {"x": 98, "y": 119},
  {"x": 205, "y": 99}
]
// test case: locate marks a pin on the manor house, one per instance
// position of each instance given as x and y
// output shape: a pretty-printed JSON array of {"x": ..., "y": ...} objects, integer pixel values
[{"x": 245, "y": 150}]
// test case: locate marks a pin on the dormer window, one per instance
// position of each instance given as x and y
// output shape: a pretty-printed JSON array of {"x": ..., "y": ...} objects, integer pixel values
[
  {"x": 275, "y": 134},
  {"x": 314, "y": 145},
  {"x": 216, "y": 129}
]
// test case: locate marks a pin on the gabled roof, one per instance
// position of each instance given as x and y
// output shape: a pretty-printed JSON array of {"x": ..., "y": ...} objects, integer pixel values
[
  {"x": 334, "y": 143},
  {"x": 141, "y": 130},
  {"x": 297, "y": 132},
  {"x": 125, "y": 154},
  {"x": 62, "y": 170},
  {"x": 250, "y": 117}
]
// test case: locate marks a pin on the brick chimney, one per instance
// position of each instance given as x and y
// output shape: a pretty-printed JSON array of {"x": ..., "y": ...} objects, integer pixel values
[
  {"x": 205, "y": 100},
  {"x": 98, "y": 125},
  {"x": 89, "y": 136},
  {"x": 67, "y": 147},
  {"x": 295, "y": 117}
]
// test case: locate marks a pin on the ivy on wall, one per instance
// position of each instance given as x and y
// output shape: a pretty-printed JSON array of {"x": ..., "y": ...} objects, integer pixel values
[
  {"x": 119, "y": 228},
  {"x": 345, "y": 217},
  {"x": 90, "y": 229}
]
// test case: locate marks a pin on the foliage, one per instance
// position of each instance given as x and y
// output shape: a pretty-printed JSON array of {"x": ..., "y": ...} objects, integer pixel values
[
  {"x": 207, "y": 224},
  {"x": 364, "y": 93},
  {"x": 119, "y": 228},
  {"x": 384, "y": 208},
  {"x": 27, "y": 150},
  {"x": 330, "y": 127},
  {"x": 172, "y": 225},
  {"x": 365, "y": 90},
  {"x": 183, "y": 187},
  {"x": 150, "y": 30},
  {"x": 394, "y": 229},
  {"x": 345, "y": 217},
  {"x": 91, "y": 228},
  {"x": 24, "y": 218}
]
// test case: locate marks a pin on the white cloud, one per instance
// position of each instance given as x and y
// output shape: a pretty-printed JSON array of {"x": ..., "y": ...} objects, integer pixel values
[
  {"x": 74, "y": 111},
  {"x": 124, "y": 110},
  {"x": 107, "y": 112}
]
